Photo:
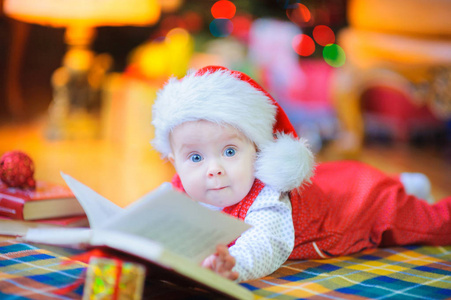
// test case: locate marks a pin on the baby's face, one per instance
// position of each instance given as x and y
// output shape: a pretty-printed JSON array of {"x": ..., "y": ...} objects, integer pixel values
[{"x": 215, "y": 162}]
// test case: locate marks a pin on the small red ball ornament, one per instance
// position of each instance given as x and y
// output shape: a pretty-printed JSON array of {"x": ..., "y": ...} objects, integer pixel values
[{"x": 17, "y": 170}]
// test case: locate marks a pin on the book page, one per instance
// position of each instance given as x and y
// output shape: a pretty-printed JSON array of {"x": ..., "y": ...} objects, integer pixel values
[
  {"x": 178, "y": 223},
  {"x": 98, "y": 209},
  {"x": 128, "y": 243},
  {"x": 58, "y": 236}
]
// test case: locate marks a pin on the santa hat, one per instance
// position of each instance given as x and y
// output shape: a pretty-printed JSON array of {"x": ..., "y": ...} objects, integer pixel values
[{"x": 223, "y": 96}]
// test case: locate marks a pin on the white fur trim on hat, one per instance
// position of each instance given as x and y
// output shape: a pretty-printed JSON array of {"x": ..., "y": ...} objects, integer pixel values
[
  {"x": 284, "y": 164},
  {"x": 218, "y": 97}
]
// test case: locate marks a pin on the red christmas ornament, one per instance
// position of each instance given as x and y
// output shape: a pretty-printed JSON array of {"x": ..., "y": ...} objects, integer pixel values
[{"x": 17, "y": 170}]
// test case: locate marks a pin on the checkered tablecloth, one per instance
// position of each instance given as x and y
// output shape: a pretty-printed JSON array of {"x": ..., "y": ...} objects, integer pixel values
[
  {"x": 28, "y": 272},
  {"x": 392, "y": 273}
]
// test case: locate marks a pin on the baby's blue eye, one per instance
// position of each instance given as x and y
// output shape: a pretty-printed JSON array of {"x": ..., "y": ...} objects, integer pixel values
[
  {"x": 229, "y": 152},
  {"x": 195, "y": 158}
]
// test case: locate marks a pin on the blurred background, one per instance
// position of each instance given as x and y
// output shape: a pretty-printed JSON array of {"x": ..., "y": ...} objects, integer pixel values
[{"x": 366, "y": 80}]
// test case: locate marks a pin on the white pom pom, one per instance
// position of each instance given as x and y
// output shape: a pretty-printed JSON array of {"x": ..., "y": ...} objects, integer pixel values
[{"x": 284, "y": 164}]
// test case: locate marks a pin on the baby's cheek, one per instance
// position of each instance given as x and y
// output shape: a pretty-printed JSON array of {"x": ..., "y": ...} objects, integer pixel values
[{"x": 193, "y": 190}]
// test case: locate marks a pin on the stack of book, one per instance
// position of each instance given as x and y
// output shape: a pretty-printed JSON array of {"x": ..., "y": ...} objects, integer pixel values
[{"x": 47, "y": 206}]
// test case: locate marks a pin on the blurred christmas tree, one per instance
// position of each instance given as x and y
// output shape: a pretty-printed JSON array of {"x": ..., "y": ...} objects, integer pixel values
[{"x": 196, "y": 16}]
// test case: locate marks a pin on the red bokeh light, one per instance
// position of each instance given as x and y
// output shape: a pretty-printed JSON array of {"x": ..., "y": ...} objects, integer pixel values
[
  {"x": 223, "y": 9},
  {"x": 193, "y": 21},
  {"x": 169, "y": 22},
  {"x": 323, "y": 35},
  {"x": 241, "y": 26},
  {"x": 300, "y": 15},
  {"x": 303, "y": 45}
]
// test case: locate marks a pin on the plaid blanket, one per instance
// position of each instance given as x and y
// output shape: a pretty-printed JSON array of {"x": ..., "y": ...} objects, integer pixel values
[
  {"x": 27, "y": 272},
  {"x": 392, "y": 273}
]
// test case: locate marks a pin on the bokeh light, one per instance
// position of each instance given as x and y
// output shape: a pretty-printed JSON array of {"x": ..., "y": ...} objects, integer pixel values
[
  {"x": 303, "y": 45},
  {"x": 323, "y": 35},
  {"x": 221, "y": 27},
  {"x": 178, "y": 44},
  {"x": 169, "y": 22},
  {"x": 178, "y": 35},
  {"x": 152, "y": 59},
  {"x": 169, "y": 6},
  {"x": 163, "y": 56},
  {"x": 334, "y": 55},
  {"x": 241, "y": 26},
  {"x": 193, "y": 21},
  {"x": 223, "y": 9},
  {"x": 299, "y": 15}
]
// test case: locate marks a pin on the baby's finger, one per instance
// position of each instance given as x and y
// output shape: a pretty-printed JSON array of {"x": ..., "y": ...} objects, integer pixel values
[
  {"x": 221, "y": 257},
  {"x": 229, "y": 262},
  {"x": 231, "y": 275},
  {"x": 220, "y": 265},
  {"x": 222, "y": 250},
  {"x": 209, "y": 262}
]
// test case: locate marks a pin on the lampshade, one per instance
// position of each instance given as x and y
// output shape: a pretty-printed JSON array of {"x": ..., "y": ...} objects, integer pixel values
[{"x": 87, "y": 13}]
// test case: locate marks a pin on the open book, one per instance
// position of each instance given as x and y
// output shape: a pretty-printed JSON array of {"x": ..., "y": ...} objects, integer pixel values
[{"x": 165, "y": 228}]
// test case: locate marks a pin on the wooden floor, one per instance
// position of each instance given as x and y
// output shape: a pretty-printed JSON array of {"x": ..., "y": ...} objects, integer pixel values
[{"x": 123, "y": 173}]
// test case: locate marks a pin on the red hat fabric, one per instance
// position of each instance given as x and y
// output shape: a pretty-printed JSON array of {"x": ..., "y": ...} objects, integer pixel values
[
  {"x": 282, "y": 124},
  {"x": 223, "y": 96}
]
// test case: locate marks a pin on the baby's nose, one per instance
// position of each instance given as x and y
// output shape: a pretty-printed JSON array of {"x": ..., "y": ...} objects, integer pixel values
[
  {"x": 215, "y": 170},
  {"x": 214, "y": 173}
]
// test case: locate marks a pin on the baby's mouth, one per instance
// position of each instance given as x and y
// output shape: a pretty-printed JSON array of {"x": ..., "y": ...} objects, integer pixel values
[{"x": 218, "y": 188}]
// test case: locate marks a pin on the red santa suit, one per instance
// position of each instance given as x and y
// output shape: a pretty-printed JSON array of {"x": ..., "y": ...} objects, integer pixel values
[{"x": 350, "y": 206}]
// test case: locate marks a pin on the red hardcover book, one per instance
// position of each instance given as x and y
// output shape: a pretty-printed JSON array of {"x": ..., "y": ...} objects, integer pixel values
[{"x": 47, "y": 201}]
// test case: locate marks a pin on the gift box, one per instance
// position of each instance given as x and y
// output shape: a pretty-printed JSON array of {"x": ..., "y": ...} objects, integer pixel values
[{"x": 113, "y": 279}]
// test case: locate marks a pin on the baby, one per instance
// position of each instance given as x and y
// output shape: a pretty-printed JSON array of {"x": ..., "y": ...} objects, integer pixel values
[{"x": 235, "y": 150}]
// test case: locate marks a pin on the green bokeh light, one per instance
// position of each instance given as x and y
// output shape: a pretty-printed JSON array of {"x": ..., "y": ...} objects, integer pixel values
[{"x": 334, "y": 55}]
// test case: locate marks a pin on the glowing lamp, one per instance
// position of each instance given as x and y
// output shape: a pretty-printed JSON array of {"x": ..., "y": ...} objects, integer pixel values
[{"x": 81, "y": 73}]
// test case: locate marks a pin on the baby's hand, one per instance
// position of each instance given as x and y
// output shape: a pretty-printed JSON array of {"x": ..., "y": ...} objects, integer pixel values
[{"x": 221, "y": 262}]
